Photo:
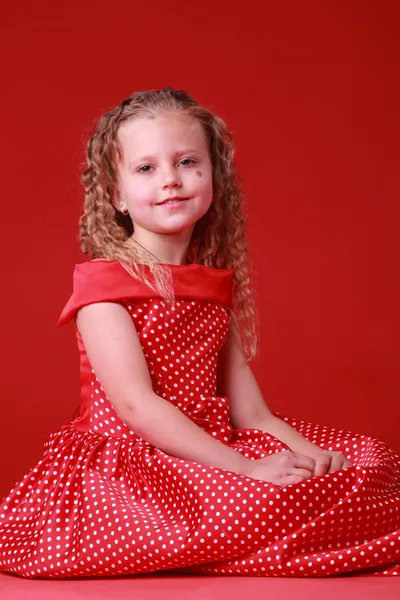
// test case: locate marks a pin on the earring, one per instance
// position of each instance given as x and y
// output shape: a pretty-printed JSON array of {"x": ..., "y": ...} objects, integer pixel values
[{"x": 124, "y": 211}]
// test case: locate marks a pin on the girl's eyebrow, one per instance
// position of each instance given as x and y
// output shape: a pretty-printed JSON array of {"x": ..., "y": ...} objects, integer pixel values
[{"x": 175, "y": 155}]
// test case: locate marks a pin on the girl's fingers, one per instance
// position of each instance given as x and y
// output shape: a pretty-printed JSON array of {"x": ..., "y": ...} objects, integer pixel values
[
  {"x": 322, "y": 464},
  {"x": 337, "y": 462},
  {"x": 304, "y": 473},
  {"x": 303, "y": 462},
  {"x": 290, "y": 480}
]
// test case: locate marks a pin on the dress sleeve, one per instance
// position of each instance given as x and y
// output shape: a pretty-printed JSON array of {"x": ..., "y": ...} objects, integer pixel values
[
  {"x": 101, "y": 281},
  {"x": 108, "y": 281}
]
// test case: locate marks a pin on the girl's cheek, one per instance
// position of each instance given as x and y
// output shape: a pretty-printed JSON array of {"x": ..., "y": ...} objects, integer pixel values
[
  {"x": 142, "y": 192},
  {"x": 202, "y": 177}
]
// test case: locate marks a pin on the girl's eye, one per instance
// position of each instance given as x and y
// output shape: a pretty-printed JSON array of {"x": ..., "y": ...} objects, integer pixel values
[
  {"x": 140, "y": 169},
  {"x": 147, "y": 168},
  {"x": 190, "y": 160}
]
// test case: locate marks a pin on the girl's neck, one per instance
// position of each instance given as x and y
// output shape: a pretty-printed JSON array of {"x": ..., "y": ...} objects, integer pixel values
[{"x": 163, "y": 251}]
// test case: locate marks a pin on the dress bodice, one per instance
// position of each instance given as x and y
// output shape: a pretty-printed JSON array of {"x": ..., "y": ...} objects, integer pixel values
[{"x": 180, "y": 342}]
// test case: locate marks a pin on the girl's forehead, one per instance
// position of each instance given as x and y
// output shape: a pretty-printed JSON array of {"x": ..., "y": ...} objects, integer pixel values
[{"x": 163, "y": 128}]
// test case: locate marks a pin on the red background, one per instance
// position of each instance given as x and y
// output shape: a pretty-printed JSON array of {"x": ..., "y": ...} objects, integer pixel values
[{"x": 311, "y": 91}]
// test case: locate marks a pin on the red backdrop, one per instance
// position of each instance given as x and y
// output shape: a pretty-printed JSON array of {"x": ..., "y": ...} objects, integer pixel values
[{"x": 311, "y": 92}]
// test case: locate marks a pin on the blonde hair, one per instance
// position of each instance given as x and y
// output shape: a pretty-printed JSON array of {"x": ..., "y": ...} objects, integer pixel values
[{"x": 219, "y": 238}]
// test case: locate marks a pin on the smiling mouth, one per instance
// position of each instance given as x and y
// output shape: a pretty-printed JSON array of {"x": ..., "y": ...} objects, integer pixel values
[{"x": 173, "y": 201}]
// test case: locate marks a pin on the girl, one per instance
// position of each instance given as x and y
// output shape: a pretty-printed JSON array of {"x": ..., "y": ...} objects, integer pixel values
[{"x": 175, "y": 461}]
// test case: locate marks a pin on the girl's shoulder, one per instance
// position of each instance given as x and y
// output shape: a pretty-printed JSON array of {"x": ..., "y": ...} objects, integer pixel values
[
  {"x": 96, "y": 265},
  {"x": 102, "y": 280}
]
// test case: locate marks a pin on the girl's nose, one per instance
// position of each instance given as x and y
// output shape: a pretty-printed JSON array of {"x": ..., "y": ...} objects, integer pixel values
[{"x": 170, "y": 176}]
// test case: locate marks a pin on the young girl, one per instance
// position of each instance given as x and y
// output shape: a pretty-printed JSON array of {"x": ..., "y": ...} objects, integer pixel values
[{"x": 175, "y": 462}]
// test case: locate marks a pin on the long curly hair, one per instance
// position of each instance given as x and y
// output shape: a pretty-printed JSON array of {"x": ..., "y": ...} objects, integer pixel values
[{"x": 219, "y": 238}]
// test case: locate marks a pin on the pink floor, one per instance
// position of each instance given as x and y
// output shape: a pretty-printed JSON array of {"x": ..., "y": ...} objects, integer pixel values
[{"x": 201, "y": 588}]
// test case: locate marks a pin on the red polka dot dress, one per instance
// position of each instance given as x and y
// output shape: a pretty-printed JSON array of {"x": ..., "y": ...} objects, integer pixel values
[{"x": 102, "y": 501}]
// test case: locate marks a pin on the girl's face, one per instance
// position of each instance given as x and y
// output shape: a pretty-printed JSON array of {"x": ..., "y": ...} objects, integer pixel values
[{"x": 165, "y": 173}]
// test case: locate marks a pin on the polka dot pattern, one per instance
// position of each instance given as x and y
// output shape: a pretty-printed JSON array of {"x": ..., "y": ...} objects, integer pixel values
[{"x": 102, "y": 501}]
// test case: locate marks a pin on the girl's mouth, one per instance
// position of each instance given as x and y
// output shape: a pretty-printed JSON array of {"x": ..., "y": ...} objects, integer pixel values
[{"x": 173, "y": 202}]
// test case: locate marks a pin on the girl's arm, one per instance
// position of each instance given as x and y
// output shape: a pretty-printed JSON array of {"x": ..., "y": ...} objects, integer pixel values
[
  {"x": 116, "y": 356},
  {"x": 247, "y": 405}
]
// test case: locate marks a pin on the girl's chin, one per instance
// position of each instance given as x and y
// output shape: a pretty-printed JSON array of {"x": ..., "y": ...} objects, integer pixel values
[{"x": 176, "y": 226}]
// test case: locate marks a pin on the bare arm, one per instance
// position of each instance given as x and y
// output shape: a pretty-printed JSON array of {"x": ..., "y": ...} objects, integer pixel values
[
  {"x": 247, "y": 405},
  {"x": 116, "y": 356}
]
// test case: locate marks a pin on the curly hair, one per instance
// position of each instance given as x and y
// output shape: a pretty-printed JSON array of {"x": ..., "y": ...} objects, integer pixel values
[{"x": 219, "y": 238}]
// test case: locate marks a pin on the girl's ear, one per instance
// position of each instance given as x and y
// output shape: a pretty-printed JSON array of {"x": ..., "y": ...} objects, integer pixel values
[
  {"x": 119, "y": 203},
  {"x": 117, "y": 200}
]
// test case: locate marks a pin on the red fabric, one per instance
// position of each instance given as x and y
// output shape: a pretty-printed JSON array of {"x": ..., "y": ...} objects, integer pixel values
[
  {"x": 102, "y": 281},
  {"x": 103, "y": 501}
]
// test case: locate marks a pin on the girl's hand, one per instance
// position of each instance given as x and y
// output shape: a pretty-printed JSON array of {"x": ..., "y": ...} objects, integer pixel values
[
  {"x": 328, "y": 462},
  {"x": 283, "y": 468}
]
